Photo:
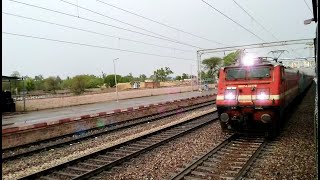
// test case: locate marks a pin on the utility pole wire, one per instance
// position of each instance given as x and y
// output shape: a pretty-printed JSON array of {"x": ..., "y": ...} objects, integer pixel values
[
  {"x": 114, "y": 19},
  {"x": 262, "y": 25},
  {"x": 233, "y": 21},
  {"x": 308, "y": 6},
  {"x": 171, "y": 27},
  {"x": 91, "y": 45},
  {"x": 93, "y": 32},
  {"x": 77, "y": 8},
  {"x": 117, "y": 20},
  {"x": 102, "y": 23},
  {"x": 254, "y": 19}
]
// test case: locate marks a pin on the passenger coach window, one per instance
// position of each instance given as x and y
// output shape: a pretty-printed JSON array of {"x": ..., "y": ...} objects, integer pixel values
[
  {"x": 233, "y": 74},
  {"x": 262, "y": 72}
]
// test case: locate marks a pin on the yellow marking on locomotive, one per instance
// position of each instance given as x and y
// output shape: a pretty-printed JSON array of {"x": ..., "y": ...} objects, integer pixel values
[{"x": 247, "y": 85}]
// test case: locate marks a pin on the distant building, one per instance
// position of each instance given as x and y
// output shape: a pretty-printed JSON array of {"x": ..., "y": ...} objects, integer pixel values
[
  {"x": 151, "y": 84},
  {"x": 136, "y": 85}
]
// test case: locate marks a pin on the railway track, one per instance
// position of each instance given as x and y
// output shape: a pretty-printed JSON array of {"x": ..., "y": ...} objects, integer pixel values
[
  {"x": 230, "y": 160},
  {"x": 92, "y": 164},
  {"x": 44, "y": 145}
]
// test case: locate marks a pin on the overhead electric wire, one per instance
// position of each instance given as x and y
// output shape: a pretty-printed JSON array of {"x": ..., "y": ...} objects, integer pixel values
[
  {"x": 171, "y": 27},
  {"x": 117, "y": 20},
  {"x": 254, "y": 19},
  {"x": 233, "y": 21},
  {"x": 308, "y": 6},
  {"x": 94, "y": 32},
  {"x": 102, "y": 23},
  {"x": 94, "y": 46}
]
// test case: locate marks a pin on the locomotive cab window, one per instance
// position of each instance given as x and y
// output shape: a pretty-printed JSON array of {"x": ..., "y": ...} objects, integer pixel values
[
  {"x": 259, "y": 72},
  {"x": 233, "y": 74}
]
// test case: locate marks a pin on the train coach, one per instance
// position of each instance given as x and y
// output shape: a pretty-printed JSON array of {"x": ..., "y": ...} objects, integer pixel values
[{"x": 254, "y": 94}]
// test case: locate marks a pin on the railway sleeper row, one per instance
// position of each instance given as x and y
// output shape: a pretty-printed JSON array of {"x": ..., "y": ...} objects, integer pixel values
[
  {"x": 90, "y": 165},
  {"x": 44, "y": 145},
  {"x": 229, "y": 160}
]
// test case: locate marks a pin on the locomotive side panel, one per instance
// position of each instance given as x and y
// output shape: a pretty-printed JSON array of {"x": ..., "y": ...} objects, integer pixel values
[{"x": 291, "y": 86}]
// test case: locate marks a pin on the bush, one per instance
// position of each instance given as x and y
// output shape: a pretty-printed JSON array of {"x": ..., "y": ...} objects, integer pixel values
[
  {"x": 78, "y": 84},
  {"x": 51, "y": 84}
]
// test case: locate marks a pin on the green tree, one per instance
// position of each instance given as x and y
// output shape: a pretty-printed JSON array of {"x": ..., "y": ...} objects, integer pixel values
[
  {"x": 15, "y": 74},
  {"x": 59, "y": 82},
  {"x": 30, "y": 85},
  {"x": 51, "y": 84},
  {"x": 66, "y": 84},
  {"x": 110, "y": 80},
  {"x": 153, "y": 77},
  {"x": 130, "y": 76},
  {"x": 211, "y": 65},
  {"x": 142, "y": 77},
  {"x": 16, "y": 85},
  {"x": 78, "y": 84},
  {"x": 103, "y": 75},
  {"x": 230, "y": 58},
  {"x": 162, "y": 74},
  {"x": 39, "y": 82},
  {"x": 125, "y": 79},
  {"x": 184, "y": 76},
  {"x": 92, "y": 81},
  {"x": 178, "y": 78},
  {"x": 38, "y": 78},
  {"x": 204, "y": 75}
]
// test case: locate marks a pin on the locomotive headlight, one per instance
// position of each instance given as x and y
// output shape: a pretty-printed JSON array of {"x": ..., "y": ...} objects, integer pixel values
[
  {"x": 230, "y": 94},
  {"x": 248, "y": 60},
  {"x": 262, "y": 94}
]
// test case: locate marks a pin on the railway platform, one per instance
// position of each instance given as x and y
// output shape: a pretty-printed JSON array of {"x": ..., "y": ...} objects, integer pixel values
[{"x": 49, "y": 115}]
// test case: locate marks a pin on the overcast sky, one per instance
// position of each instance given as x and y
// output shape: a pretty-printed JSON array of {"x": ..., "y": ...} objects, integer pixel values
[{"x": 283, "y": 18}]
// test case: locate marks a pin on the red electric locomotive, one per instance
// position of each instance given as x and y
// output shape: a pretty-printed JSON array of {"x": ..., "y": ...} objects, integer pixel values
[{"x": 254, "y": 93}]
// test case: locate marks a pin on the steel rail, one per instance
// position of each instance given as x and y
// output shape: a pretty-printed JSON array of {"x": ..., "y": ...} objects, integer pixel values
[
  {"x": 146, "y": 142},
  {"x": 198, "y": 162},
  {"x": 102, "y": 131},
  {"x": 247, "y": 165}
]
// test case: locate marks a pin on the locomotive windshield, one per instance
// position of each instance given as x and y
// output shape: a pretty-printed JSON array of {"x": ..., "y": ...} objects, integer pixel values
[
  {"x": 251, "y": 73},
  {"x": 260, "y": 72},
  {"x": 233, "y": 74}
]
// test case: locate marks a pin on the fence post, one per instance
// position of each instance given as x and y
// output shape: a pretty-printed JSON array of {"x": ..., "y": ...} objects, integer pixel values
[{"x": 24, "y": 96}]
